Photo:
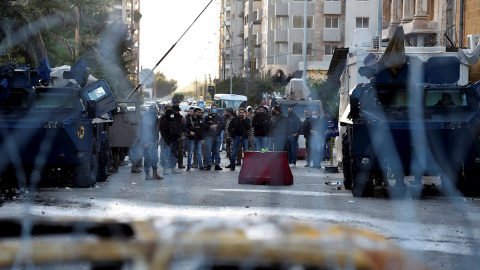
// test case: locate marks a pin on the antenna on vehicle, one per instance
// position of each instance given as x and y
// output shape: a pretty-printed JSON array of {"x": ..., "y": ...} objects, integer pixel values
[{"x": 171, "y": 48}]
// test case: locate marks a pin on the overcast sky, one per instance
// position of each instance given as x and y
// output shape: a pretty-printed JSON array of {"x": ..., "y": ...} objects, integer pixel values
[{"x": 163, "y": 23}]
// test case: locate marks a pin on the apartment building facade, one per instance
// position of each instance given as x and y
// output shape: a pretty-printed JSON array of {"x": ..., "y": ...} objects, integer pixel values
[
  {"x": 273, "y": 32},
  {"x": 128, "y": 12},
  {"x": 231, "y": 61}
]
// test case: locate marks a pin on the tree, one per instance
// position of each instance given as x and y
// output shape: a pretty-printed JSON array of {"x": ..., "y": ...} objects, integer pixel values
[
  {"x": 326, "y": 92},
  {"x": 33, "y": 29},
  {"x": 256, "y": 87},
  {"x": 163, "y": 87}
]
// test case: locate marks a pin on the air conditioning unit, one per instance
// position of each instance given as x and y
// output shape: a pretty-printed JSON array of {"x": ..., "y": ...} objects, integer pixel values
[
  {"x": 375, "y": 42},
  {"x": 473, "y": 41}
]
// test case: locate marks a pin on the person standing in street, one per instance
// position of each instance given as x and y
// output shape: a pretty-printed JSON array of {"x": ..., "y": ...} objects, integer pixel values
[
  {"x": 227, "y": 138},
  {"x": 294, "y": 127},
  {"x": 149, "y": 138},
  {"x": 327, "y": 117},
  {"x": 238, "y": 129},
  {"x": 261, "y": 129},
  {"x": 316, "y": 129},
  {"x": 179, "y": 117},
  {"x": 213, "y": 125},
  {"x": 306, "y": 135},
  {"x": 171, "y": 130},
  {"x": 279, "y": 129},
  {"x": 196, "y": 136}
]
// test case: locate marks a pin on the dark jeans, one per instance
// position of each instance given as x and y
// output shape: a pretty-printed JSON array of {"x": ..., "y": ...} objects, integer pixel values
[
  {"x": 292, "y": 149},
  {"x": 317, "y": 145},
  {"x": 213, "y": 146},
  {"x": 191, "y": 149},
  {"x": 236, "y": 141},
  {"x": 261, "y": 142},
  {"x": 151, "y": 156}
]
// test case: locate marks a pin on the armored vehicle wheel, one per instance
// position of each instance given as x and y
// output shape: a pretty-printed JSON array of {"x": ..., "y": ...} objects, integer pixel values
[
  {"x": 347, "y": 169},
  {"x": 103, "y": 158},
  {"x": 362, "y": 184},
  {"x": 86, "y": 173}
]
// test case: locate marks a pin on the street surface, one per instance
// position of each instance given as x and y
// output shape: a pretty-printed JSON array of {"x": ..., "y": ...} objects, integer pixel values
[{"x": 441, "y": 231}]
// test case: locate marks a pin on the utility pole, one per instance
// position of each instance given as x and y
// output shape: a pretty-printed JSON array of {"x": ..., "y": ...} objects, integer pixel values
[
  {"x": 205, "y": 89},
  {"x": 196, "y": 90},
  {"x": 304, "y": 75}
]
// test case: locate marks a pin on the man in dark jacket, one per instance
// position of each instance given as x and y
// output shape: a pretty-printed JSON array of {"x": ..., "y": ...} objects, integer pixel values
[
  {"x": 213, "y": 124},
  {"x": 261, "y": 129},
  {"x": 196, "y": 136},
  {"x": 279, "y": 129},
  {"x": 238, "y": 129},
  {"x": 171, "y": 129},
  {"x": 294, "y": 127},
  {"x": 316, "y": 129},
  {"x": 179, "y": 117},
  {"x": 306, "y": 135},
  {"x": 149, "y": 138}
]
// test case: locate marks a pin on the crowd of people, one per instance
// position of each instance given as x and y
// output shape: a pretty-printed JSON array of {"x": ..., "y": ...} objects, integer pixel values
[{"x": 204, "y": 135}]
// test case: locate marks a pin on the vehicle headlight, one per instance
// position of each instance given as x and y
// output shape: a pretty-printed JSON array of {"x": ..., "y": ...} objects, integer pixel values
[{"x": 365, "y": 161}]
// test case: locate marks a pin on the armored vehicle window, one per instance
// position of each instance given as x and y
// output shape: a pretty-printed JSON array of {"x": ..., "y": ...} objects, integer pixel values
[
  {"x": 454, "y": 97},
  {"x": 126, "y": 107},
  {"x": 53, "y": 100},
  {"x": 18, "y": 98},
  {"x": 97, "y": 93},
  {"x": 393, "y": 98}
]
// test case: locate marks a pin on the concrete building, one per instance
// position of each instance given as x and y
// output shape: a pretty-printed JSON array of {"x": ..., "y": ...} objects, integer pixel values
[
  {"x": 273, "y": 33},
  {"x": 231, "y": 39},
  {"x": 128, "y": 12},
  {"x": 469, "y": 34}
]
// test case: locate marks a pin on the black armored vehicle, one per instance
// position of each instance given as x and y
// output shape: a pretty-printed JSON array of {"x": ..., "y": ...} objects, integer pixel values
[
  {"x": 53, "y": 131},
  {"x": 412, "y": 118}
]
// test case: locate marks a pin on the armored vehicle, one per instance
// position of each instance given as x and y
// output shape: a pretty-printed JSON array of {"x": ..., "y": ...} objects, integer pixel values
[
  {"x": 414, "y": 117},
  {"x": 54, "y": 131}
]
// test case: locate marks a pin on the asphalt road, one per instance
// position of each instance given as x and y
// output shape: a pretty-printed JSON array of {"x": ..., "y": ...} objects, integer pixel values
[{"x": 442, "y": 231}]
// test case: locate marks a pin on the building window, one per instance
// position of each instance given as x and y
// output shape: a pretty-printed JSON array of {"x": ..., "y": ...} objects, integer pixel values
[
  {"x": 329, "y": 49},
  {"x": 117, "y": 13},
  {"x": 363, "y": 22},
  {"x": 117, "y": 2},
  {"x": 298, "y": 48},
  {"x": 331, "y": 22},
  {"x": 298, "y": 21}
]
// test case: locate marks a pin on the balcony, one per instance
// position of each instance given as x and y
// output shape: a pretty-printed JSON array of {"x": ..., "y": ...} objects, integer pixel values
[
  {"x": 281, "y": 9},
  {"x": 332, "y": 7},
  {"x": 281, "y": 35},
  {"x": 298, "y": 8},
  {"x": 331, "y": 34},
  {"x": 259, "y": 40},
  {"x": 256, "y": 28},
  {"x": 259, "y": 15}
]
